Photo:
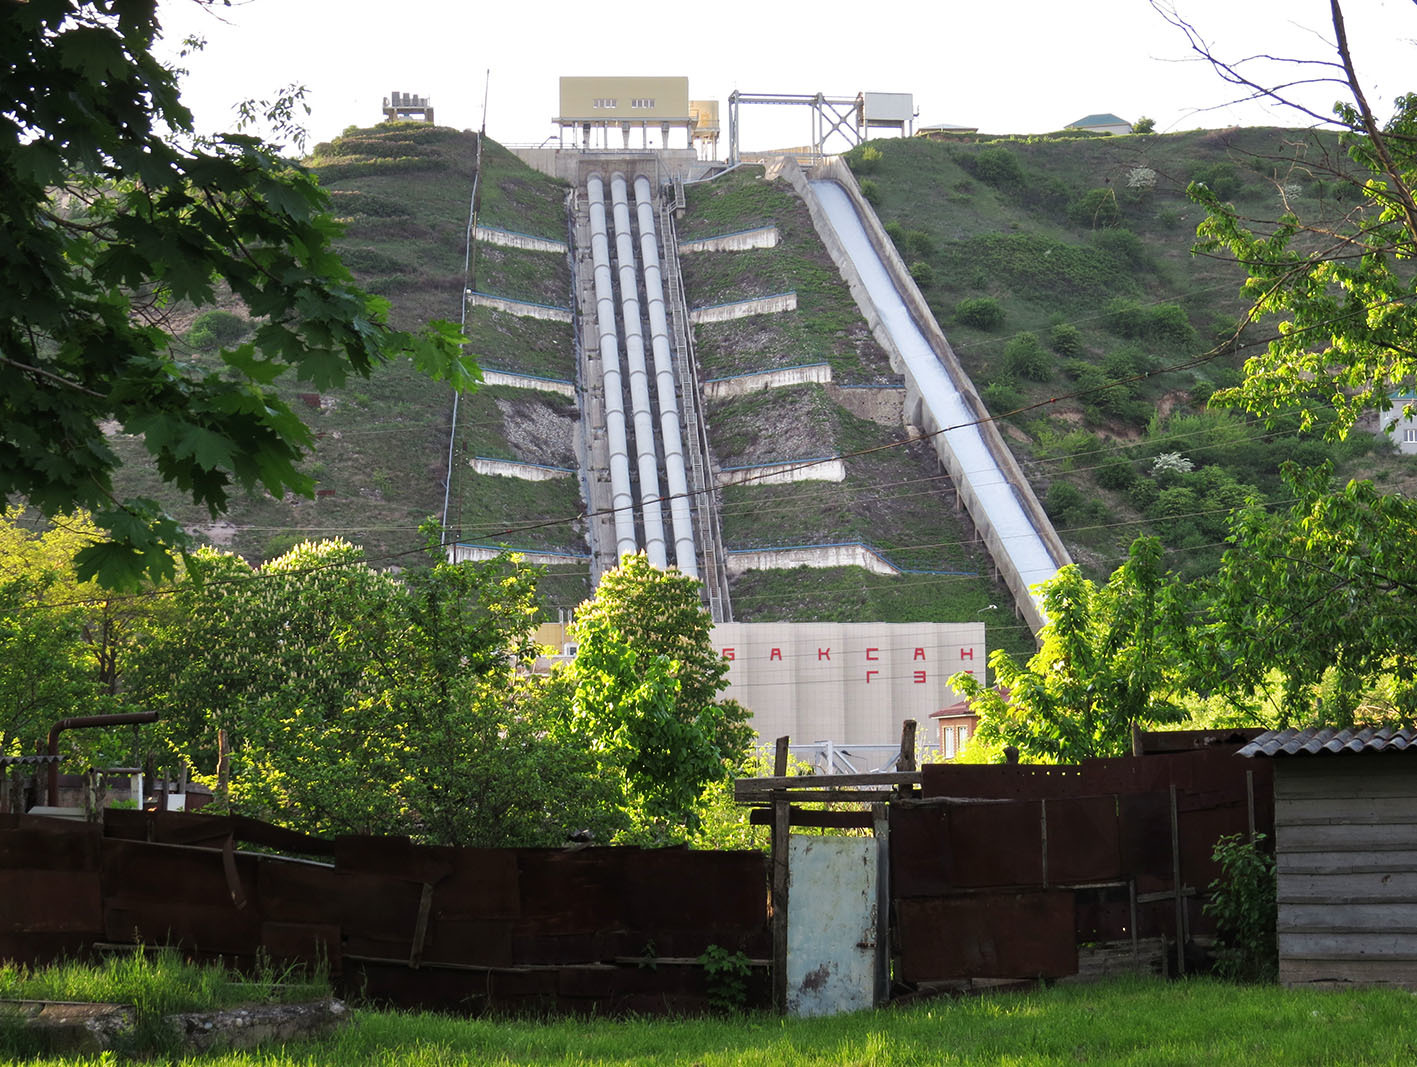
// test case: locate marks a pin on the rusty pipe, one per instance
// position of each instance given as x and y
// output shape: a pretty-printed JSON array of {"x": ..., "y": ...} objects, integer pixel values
[{"x": 79, "y": 722}]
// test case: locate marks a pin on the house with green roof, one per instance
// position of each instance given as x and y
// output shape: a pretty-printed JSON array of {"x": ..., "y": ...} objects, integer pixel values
[{"x": 1104, "y": 122}]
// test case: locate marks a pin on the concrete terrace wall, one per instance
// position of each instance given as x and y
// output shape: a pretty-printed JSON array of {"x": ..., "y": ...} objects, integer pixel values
[
  {"x": 837, "y": 171},
  {"x": 520, "y": 307},
  {"x": 742, "y": 384},
  {"x": 461, "y": 553},
  {"x": 528, "y": 472},
  {"x": 800, "y": 470},
  {"x": 769, "y": 559},
  {"x": 528, "y": 381},
  {"x": 741, "y": 309},
  {"x": 525, "y": 241},
  {"x": 762, "y": 237}
]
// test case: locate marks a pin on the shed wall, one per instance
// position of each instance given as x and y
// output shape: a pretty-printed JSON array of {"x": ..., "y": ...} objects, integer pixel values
[{"x": 1346, "y": 853}]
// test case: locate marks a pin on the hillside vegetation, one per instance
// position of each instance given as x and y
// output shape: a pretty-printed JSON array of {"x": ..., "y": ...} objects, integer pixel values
[{"x": 1061, "y": 270}]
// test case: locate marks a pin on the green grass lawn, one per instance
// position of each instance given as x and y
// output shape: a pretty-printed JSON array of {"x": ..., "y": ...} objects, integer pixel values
[{"x": 1138, "y": 1023}]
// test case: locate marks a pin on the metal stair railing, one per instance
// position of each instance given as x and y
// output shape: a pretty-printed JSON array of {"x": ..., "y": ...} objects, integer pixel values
[{"x": 705, "y": 503}]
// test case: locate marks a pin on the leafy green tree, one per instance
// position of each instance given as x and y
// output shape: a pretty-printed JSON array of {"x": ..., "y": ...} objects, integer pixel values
[
  {"x": 1144, "y": 125},
  {"x": 1312, "y": 609},
  {"x": 647, "y": 685},
  {"x": 1109, "y": 659},
  {"x": 113, "y": 213}
]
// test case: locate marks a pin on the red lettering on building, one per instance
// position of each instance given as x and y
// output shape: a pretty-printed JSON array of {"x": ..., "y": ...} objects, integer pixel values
[
  {"x": 868, "y": 676},
  {"x": 775, "y": 654},
  {"x": 919, "y": 653},
  {"x": 966, "y": 653},
  {"x": 920, "y": 677},
  {"x": 824, "y": 653},
  {"x": 728, "y": 653},
  {"x": 871, "y": 654}
]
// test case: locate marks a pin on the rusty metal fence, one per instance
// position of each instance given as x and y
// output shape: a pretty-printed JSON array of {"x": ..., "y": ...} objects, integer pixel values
[
  {"x": 1014, "y": 872},
  {"x": 604, "y": 929}
]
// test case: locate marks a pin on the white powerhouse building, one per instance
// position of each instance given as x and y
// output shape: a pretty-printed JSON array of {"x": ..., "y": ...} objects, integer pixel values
[{"x": 850, "y": 683}]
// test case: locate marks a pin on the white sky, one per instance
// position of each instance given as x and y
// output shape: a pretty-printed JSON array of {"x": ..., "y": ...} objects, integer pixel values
[{"x": 1006, "y": 66}]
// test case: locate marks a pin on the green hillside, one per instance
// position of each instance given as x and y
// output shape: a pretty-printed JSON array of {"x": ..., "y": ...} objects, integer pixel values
[{"x": 1062, "y": 268}]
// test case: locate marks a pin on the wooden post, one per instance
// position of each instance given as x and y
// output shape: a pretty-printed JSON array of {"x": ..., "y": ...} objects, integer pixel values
[
  {"x": 1250, "y": 801},
  {"x": 1176, "y": 880},
  {"x": 1043, "y": 836},
  {"x": 223, "y": 770},
  {"x": 781, "y": 832},
  {"x": 881, "y": 827},
  {"x": 906, "y": 760}
]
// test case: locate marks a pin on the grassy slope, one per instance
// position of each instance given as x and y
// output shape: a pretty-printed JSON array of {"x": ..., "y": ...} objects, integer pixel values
[
  {"x": 1009, "y": 220},
  {"x": 1129, "y": 1024},
  {"x": 893, "y": 497},
  {"x": 402, "y": 193}
]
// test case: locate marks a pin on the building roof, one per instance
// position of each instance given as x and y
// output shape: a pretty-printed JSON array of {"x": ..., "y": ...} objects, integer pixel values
[
  {"x": 1294, "y": 742},
  {"x": 1103, "y": 119}
]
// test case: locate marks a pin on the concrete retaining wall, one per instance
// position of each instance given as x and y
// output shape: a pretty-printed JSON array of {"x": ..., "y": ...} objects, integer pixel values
[
  {"x": 883, "y": 404},
  {"x": 741, "y": 309},
  {"x": 525, "y": 308},
  {"x": 527, "y": 472},
  {"x": 477, "y": 553},
  {"x": 769, "y": 559},
  {"x": 835, "y": 170},
  {"x": 762, "y": 237},
  {"x": 800, "y": 470},
  {"x": 743, "y": 384},
  {"x": 524, "y": 241},
  {"x": 529, "y": 381}
]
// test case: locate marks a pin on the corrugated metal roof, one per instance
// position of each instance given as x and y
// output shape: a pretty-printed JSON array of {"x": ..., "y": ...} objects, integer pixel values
[
  {"x": 1294, "y": 742},
  {"x": 7, "y": 761}
]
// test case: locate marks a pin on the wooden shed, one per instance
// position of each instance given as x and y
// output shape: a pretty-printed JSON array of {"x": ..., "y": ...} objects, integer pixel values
[{"x": 1345, "y": 819}]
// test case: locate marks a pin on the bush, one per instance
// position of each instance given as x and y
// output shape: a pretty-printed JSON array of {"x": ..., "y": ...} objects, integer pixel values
[
  {"x": 1096, "y": 208},
  {"x": 1002, "y": 396},
  {"x": 1222, "y": 179},
  {"x": 896, "y": 232},
  {"x": 871, "y": 191},
  {"x": 918, "y": 244},
  {"x": 217, "y": 329},
  {"x": 1065, "y": 339},
  {"x": 995, "y": 165},
  {"x": 1115, "y": 473},
  {"x": 922, "y": 273},
  {"x": 981, "y": 312},
  {"x": 1062, "y": 497},
  {"x": 864, "y": 159},
  {"x": 1122, "y": 244},
  {"x": 1243, "y": 903},
  {"x": 1164, "y": 323},
  {"x": 1026, "y": 358}
]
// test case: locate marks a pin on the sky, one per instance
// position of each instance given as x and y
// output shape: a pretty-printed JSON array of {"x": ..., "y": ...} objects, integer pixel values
[{"x": 1005, "y": 66}]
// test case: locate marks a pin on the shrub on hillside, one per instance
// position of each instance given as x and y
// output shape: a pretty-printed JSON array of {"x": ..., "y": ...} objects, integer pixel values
[
  {"x": 871, "y": 191},
  {"x": 981, "y": 312},
  {"x": 1122, "y": 244},
  {"x": 922, "y": 273},
  {"x": 217, "y": 329},
  {"x": 995, "y": 165},
  {"x": 896, "y": 232},
  {"x": 1162, "y": 323},
  {"x": 1002, "y": 396},
  {"x": 1026, "y": 358},
  {"x": 1222, "y": 179},
  {"x": 864, "y": 159},
  {"x": 1096, "y": 208},
  {"x": 1065, "y": 339},
  {"x": 1115, "y": 473},
  {"x": 918, "y": 244}
]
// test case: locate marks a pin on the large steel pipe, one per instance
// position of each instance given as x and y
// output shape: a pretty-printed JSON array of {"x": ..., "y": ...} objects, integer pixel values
[
  {"x": 621, "y": 499},
  {"x": 680, "y": 512},
  {"x": 651, "y": 506}
]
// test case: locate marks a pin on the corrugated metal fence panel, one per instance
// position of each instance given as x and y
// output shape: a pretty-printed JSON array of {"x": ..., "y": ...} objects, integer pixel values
[
  {"x": 998, "y": 935},
  {"x": 523, "y": 928}
]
